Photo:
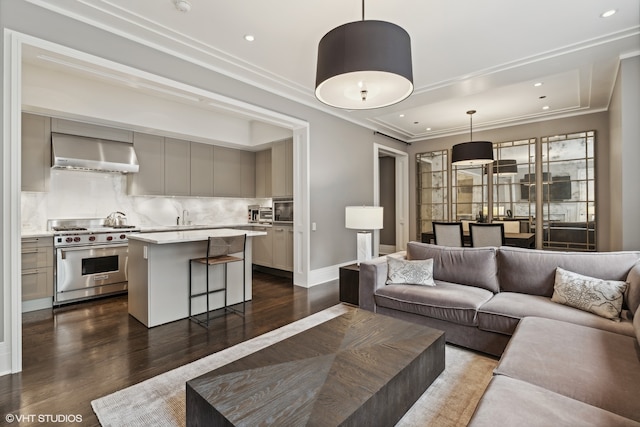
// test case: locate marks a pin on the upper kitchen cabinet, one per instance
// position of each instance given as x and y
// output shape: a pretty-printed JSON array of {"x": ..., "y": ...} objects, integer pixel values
[
  {"x": 248, "y": 174},
  {"x": 94, "y": 131},
  {"x": 201, "y": 169},
  {"x": 36, "y": 152},
  {"x": 177, "y": 165},
  {"x": 150, "y": 179},
  {"x": 233, "y": 172},
  {"x": 282, "y": 168},
  {"x": 263, "y": 173}
]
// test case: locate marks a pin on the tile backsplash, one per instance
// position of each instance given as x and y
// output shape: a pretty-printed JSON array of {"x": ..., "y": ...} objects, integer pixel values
[{"x": 82, "y": 194}]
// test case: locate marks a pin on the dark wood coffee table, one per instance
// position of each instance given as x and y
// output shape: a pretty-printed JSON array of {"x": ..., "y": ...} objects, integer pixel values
[{"x": 357, "y": 369}]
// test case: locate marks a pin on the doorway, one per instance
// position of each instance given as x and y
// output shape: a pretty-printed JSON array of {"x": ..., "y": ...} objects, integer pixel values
[{"x": 391, "y": 190}]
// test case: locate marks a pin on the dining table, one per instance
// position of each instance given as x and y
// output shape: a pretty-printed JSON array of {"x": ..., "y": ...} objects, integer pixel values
[{"x": 521, "y": 240}]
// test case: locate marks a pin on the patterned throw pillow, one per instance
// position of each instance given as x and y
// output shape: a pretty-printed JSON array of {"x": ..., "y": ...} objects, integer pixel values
[
  {"x": 403, "y": 272},
  {"x": 601, "y": 297}
]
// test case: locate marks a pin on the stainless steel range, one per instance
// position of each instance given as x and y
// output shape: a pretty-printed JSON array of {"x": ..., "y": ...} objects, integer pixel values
[{"x": 91, "y": 258}]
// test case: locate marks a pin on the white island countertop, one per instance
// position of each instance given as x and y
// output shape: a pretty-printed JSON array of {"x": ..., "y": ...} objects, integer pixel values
[{"x": 168, "y": 237}]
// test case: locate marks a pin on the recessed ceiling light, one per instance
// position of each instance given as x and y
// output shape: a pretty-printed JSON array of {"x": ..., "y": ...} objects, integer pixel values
[
  {"x": 428, "y": 128},
  {"x": 608, "y": 13},
  {"x": 183, "y": 5},
  {"x": 546, "y": 107},
  {"x": 401, "y": 115},
  {"x": 249, "y": 37},
  {"x": 538, "y": 84}
]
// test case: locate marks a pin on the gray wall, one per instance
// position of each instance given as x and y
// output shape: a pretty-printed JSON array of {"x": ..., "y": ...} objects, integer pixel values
[
  {"x": 598, "y": 122},
  {"x": 625, "y": 156}
]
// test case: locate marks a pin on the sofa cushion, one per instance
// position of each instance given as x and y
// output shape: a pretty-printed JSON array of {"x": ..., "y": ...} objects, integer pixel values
[
  {"x": 532, "y": 271},
  {"x": 597, "y": 296},
  {"x": 445, "y": 301},
  {"x": 404, "y": 272},
  {"x": 469, "y": 266},
  {"x": 510, "y": 402},
  {"x": 503, "y": 312},
  {"x": 596, "y": 367}
]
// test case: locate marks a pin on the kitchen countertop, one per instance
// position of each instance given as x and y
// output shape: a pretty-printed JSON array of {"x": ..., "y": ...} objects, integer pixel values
[
  {"x": 31, "y": 233},
  {"x": 26, "y": 234},
  {"x": 168, "y": 237},
  {"x": 164, "y": 228}
]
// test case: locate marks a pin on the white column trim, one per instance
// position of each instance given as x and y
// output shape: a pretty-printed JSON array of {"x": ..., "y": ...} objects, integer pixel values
[{"x": 11, "y": 347}]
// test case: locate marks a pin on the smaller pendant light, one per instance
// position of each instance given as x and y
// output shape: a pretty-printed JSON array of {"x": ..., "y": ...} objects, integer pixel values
[
  {"x": 504, "y": 167},
  {"x": 472, "y": 153}
]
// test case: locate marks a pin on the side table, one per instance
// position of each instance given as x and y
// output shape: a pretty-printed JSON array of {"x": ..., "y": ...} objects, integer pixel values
[{"x": 350, "y": 284}]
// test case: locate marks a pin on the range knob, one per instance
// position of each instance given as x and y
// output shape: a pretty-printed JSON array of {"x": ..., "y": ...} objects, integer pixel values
[
  {"x": 76, "y": 239},
  {"x": 69, "y": 239},
  {"x": 109, "y": 238},
  {"x": 92, "y": 238},
  {"x": 123, "y": 236}
]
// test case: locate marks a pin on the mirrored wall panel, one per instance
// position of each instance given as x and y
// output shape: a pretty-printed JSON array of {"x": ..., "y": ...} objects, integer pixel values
[{"x": 432, "y": 189}]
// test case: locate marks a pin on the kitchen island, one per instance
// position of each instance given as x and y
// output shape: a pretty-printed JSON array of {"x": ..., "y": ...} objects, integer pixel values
[{"x": 158, "y": 273}]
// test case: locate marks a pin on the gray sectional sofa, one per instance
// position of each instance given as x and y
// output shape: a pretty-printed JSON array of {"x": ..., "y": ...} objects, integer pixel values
[{"x": 560, "y": 365}]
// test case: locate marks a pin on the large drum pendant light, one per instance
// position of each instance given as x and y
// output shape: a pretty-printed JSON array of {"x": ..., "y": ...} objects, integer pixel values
[
  {"x": 472, "y": 153},
  {"x": 363, "y": 65}
]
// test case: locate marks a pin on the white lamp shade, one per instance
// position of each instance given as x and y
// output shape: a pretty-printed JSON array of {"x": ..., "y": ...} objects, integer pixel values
[{"x": 364, "y": 217}]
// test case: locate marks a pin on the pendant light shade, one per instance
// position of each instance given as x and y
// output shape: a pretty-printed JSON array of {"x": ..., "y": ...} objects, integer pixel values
[
  {"x": 363, "y": 65},
  {"x": 504, "y": 167},
  {"x": 474, "y": 152}
]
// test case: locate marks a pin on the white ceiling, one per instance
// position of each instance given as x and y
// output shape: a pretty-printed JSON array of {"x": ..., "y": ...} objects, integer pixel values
[{"x": 482, "y": 54}]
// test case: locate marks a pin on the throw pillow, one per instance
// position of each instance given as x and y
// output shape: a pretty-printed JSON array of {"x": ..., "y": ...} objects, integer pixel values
[
  {"x": 404, "y": 272},
  {"x": 601, "y": 297}
]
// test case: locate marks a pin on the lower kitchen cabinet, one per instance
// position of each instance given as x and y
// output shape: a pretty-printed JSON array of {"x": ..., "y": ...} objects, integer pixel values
[
  {"x": 275, "y": 250},
  {"x": 263, "y": 247},
  {"x": 37, "y": 268},
  {"x": 283, "y": 247}
]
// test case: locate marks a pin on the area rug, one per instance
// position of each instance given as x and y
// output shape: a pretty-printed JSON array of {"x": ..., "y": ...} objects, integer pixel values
[{"x": 160, "y": 401}]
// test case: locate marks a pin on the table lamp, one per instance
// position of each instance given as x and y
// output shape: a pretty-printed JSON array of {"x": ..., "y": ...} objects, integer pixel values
[{"x": 364, "y": 218}]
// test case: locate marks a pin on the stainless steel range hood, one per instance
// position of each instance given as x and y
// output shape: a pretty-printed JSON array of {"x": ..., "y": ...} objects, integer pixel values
[{"x": 80, "y": 152}]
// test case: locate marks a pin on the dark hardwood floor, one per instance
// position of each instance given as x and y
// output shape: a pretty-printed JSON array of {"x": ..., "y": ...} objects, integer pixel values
[{"x": 75, "y": 354}]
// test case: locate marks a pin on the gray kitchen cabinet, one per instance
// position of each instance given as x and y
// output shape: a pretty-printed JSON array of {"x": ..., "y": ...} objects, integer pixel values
[
  {"x": 36, "y": 152},
  {"x": 37, "y": 268},
  {"x": 283, "y": 247},
  {"x": 88, "y": 129},
  {"x": 201, "y": 173},
  {"x": 282, "y": 168},
  {"x": 149, "y": 181},
  {"x": 263, "y": 247},
  {"x": 247, "y": 174},
  {"x": 227, "y": 172},
  {"x": 263, "y": 173},
  {"x": 177, "y": 161}
]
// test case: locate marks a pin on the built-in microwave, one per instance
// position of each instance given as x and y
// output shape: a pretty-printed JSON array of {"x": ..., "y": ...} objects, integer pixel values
[{"x": 283, "y": 210}]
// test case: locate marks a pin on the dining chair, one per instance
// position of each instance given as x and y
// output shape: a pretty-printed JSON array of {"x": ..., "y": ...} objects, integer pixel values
[
  {"x": 447, "y": 233},
  {"x": 487, "y": 234},
  {"x": 509, "y": 226}
]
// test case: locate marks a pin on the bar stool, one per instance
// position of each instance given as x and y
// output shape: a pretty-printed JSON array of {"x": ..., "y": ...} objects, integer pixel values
[{"x": 220, "y": 251}]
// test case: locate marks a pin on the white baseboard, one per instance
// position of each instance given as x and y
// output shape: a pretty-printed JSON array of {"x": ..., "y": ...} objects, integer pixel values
[
  {"x": 37, "y": 304},
  {"x": 325, "y": 274}
]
